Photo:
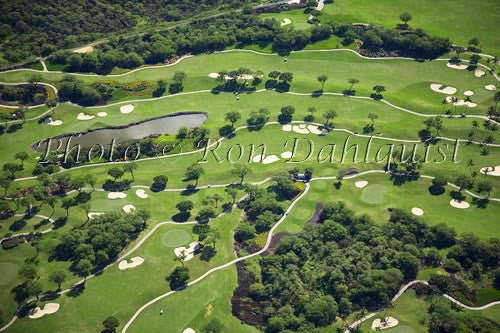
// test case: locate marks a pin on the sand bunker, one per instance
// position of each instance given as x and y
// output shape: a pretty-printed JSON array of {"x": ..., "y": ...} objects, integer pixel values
[
  {"x": 459, "y": 204},
  {"x": 270, "y": 159},
  {"x": 417, "y": 211},
  {"x": 315, "y": 130},
  {"x": 55, "y": 123},
  {"x": 141, "y": 194},
  {"x": 128, "y": 209},
  {"x": 227, "y": 77},
  {"x": 49, "y": 308},
  {"x": 492, "y": 171},
  {"x": 361, "y": 183},
  {"x": 257, "y": 158},
  {"x": 468, "y": 93},
  {"x": 85, "y": 49},
  {"x": 286, "y": 154},
  {"x": 389, "y": 322},
  {"x": 189, "y": 330},
  {"x": 102, "y": 114},
  {"x": 461, "y": 102},
  {"x": 479, "y": 73},
  {"x": 490, "y": 87},
  {"x": 286, "y": 21},
  {"x": 287, "y": 128},
  {"x": 213, "y": 75},
  {"x": 454, "y": 66},
  {"x": 83, "y": 116},
  {"x": 440, "y": 88},
  {"x": 301, "y": 129},
  {"x": 135, "y": 261},
  {"x": 116, "y": 195},
  {"x": 126, "y": 108},
  {"x": 188, "y": 252},
  {"x": 91, "y": 215}
]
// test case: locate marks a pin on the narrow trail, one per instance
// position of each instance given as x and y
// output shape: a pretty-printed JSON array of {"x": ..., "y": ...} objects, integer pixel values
[
  {"x": 43, "y": 217},
  {"x": 28, "y": 107}
]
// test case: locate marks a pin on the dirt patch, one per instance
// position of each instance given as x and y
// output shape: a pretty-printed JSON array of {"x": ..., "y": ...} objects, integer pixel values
[
  {"x": 276, "y": 240},
  {"x": 317, "y": 212}
]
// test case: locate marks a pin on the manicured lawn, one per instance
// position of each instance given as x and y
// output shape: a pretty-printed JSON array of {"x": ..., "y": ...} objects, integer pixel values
[
  {"x": 298, "y": 18},
  {"x": 458, "y": 20}
]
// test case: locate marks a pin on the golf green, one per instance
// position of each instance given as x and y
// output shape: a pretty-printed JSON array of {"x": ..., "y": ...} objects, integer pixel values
[
  {"x": 8, "y": 272},
  {"x": 175, "y": 238},
  {"x": 374, "y": 194},
  {"x": 303, "y": 213},
  {"x": 293, "y": 229}
]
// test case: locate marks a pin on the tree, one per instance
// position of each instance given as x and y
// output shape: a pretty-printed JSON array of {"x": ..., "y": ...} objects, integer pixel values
[
  {"x": 86, "y": 208},
  {"x": 194, "y": 172},
  {"x": 330, "y": 114},
  {"x": 464, "y": 183},
  {"x": 286, "y": 77},
  {"x": 28, "y": 272},
  {"x": 12, "y": 168},
  {"x": 233, "y": 117},
  {"x": 115, "y": 173},
  {"x": 185, "y": 206},
  {"x": 470, "y": 164},
  {"x": 178, "y": 278},
  {"x": 212, "y": 326},
  {"x": 322, "y": 79},
  {"x": 241, "y": 170},
  {"x": 78, "y": 183},
  {"x": 33, "y": 289},
  {"x": 372, "y": 117},
  {"x": 67, "y": 204},
  {"x": 474, "y": 42},
  {"x": 321, "y": 311},
  {"x": 378, "y": 90},
  {"x": 159, "y": 183},
  {"x": 179, "y": 77},
  {"x": 110, "y": 324},
  {"x": 5, "y": 183},
  {"x": 22, "y": 156},
  {"x": 58, "y": 277},
  {"x": 217, "y": 197},
  {"x": 205, "y": 214},
  {"x": 91, "y": 180},
  {"x": 232, "y": 192},
  {"x": 130, "y": 167},
  {"x": 286, "y": 113},
  {"x": 485, "y": 187},
  {"x": 405, "y": 17},
  {"x": 244, "y": 231},
  {"x": 83, "y": 268},
  {"x": 352, "y": 82},
  {"x": 311, "y": 110}
]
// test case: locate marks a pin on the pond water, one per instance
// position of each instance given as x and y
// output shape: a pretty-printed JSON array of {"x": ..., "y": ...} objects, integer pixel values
[{"x": 169, "y": 124}]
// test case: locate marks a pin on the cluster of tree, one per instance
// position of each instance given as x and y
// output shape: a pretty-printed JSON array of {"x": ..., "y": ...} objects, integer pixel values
[
  {"x": 348, "y": 263},
  {"x": 29, "y": 94},
  {"x": 237, "y": 80},
  {"x": 79, "y": 92},
  {"x": 93, "y": 247},
  {"x": 24, "y": 34}
]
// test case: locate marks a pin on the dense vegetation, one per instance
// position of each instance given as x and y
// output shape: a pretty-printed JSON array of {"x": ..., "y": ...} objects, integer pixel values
[
  {"x": 348, "y": 263},
  {"x": 28, "y": 29}
]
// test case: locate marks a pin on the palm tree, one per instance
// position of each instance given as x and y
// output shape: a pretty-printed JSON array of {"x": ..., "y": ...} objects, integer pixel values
[
  {"x": 322, "y": 79},
  {"x": 330, "y": 114},
  {"x": 372, "y": 117},
  {"x": 470, "y": 164},
  {"x": 130, "y": 167}
]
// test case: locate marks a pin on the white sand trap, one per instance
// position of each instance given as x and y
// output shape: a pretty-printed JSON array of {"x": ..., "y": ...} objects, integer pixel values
[
  {"x": 298, "y": 129},
  {"x": 462, "y": 102},
  {"x": 286, "y": 154},
  {"x": 314, "y": 129},
  {"x": 459, "y": 204},
  {"x": 440, "y": 88},
  {"x": 270, "y": 159},
  {"x": 189, "y": 330},
  {"x": 287, "y": 128},
  {"x": 55, "y": 123},
  {"x": 479, "y": 73},
  {"x": 388, "y": 323},
  {"x": 417, "y": 211},
  {"x": 361, "y": 183},
  {"x": 128, "y": 209},
  {"x": 85, "y": 49},
  {"x": 257, "y": 158},
  {"x": 126, "y": 108},
  {"x": 188, "y": 252},
  {"x": 492, "y": 171},
  {"x": 135, "y": 261},
  {"x": 83, "y": 116},
  {"x": 468, "y": 93},
  {"x": 291, "y": 2},
  {"x": 286, "y": 21},
  {"x": 91, "y": 215},
  {"x": 49, "y": 308},
  {"x": 102, "y": 114},
  {"x": 141, "y": 194},
  {"x": 116, "y": 195},
  {"x": 454, "y": 66},
  {"x": 213, "y": 75},
  {"x": 490, "y": 87}
]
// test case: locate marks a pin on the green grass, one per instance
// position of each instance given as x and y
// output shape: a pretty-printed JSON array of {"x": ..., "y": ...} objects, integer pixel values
[
  {"x": 487, "y": 295},
  {"x": 374, "y": 194},
  {"x": 176, "y": 237},
  {"x": 298, "y": 18},
  {"x": 457, "y": 20}
]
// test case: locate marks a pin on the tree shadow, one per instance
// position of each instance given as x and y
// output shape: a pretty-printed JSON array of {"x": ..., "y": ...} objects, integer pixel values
[
  {"x": 481, "y": 203},
  {"x": 189, "y": 190},
  {"x": 181, "y": 217},
  {"x": 317, "y": 94}
]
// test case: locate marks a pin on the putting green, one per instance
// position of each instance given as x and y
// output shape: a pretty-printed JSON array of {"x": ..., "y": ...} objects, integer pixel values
[
  {"x": 175, "y": 238},
  {"x": 321, "y": 184},
  {"x": 374, "y": 194},
  {"x": 8, "y": 273},
  {"x": 293, "y": 228},
  {"x": 402, "y": 329},
  {"x": 303, "y": 213}
]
